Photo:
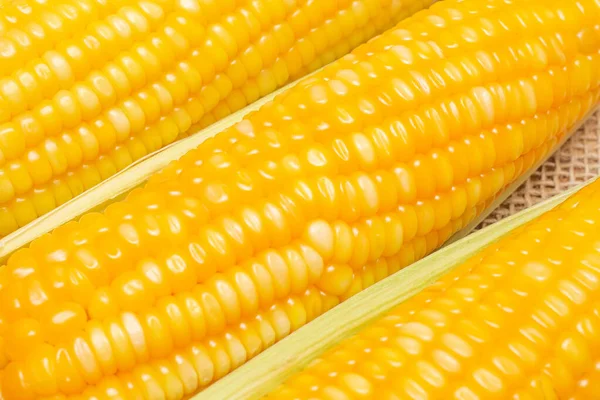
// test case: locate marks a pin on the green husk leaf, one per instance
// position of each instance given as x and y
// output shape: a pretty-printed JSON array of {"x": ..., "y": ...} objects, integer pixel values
[{"x": 270, "y": 368}]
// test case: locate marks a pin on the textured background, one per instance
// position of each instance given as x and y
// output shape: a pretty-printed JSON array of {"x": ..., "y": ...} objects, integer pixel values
[{"x": 575, "y": 162}]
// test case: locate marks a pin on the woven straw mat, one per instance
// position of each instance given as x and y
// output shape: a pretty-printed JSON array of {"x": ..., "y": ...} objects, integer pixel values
[{"x": 575, "y": 162}]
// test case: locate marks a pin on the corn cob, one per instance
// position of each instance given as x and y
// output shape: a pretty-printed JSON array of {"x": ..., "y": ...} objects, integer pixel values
[
  {"x": 519, "y": 320},
  {"x": 349, "y": 176},
  {"x": 275, "y": 365},
  {"x": 89, "y": 86}
]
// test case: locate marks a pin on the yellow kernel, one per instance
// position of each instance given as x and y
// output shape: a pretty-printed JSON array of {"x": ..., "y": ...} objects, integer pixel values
[{"x": 336, "y": 279}]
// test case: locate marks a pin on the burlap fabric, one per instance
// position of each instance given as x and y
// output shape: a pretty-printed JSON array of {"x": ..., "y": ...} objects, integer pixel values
[{"x": 576, "y": 161}]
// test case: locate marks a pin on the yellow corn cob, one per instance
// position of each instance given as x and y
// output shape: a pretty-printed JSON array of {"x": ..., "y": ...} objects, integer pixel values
[
  {"x": 89, "y": 86},
  {"x": 520, "y": 320},
  {"x": 352, "y": 174}
]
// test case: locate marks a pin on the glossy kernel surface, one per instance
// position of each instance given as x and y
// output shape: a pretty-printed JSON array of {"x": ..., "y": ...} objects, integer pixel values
[
  {"x": 349, "y": 176},
  {"x": 87, "y": 87},
  {"x": 519, "y": 320}
]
